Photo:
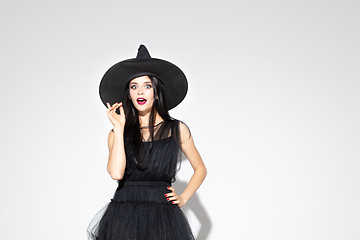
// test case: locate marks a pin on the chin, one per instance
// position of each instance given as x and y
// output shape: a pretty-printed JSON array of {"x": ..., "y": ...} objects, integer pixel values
[{"x": 143, "y": 108}]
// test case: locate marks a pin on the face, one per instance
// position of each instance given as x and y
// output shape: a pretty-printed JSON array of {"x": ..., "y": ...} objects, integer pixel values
[{"x": 142, "y": 93}]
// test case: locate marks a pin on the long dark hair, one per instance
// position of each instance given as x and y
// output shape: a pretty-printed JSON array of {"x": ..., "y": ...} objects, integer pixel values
[{"x": 132, "y": 131}]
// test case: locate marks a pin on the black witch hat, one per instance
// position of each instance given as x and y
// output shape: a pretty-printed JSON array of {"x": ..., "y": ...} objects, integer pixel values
[{"x": 116, "y": 79}]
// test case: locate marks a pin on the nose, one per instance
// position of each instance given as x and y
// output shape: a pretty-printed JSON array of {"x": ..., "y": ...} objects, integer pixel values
[{"x": 140, "y": 91}]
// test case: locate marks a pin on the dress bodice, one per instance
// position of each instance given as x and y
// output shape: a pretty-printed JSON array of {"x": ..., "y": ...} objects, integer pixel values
[{"x": 159, "y": 157}]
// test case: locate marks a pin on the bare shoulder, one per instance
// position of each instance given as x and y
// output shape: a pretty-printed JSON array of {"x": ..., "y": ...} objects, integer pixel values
[{"x": 185, "y": 133}]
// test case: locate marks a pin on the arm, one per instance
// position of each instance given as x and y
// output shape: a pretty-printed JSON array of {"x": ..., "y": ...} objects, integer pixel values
[
  {"x": 192, "y": 154},
  {"x": 117, "y": 159}
]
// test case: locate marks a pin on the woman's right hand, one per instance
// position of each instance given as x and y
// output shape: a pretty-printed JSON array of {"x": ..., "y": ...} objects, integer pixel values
[{"x": 118, "y": 120}]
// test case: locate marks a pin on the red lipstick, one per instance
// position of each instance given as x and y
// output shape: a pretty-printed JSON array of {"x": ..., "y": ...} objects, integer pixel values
[{"x": 141, "y": 101}]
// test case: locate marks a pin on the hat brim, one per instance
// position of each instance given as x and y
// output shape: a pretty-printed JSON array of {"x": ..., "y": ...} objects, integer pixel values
[{"x": 114, "y": 82}]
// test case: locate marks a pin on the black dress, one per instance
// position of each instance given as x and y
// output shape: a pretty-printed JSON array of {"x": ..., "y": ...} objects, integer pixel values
[{"x": 139, "y": 210}]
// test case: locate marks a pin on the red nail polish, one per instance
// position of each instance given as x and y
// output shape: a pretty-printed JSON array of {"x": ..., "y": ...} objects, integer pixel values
[
  {"x": 165, "y": 195},
  {"x": 168, "y": 187},
  {"x": 172, "y": 202},
  {"x": 167, "y": 199}
]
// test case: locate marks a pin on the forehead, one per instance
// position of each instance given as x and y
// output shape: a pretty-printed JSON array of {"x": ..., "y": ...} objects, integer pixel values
[{"x": 139, "y": 80}]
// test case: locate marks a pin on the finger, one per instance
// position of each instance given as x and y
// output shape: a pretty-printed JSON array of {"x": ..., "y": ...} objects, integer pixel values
[
  {"x": 118, "y": 105},
  {"x": 171, "y": 189},
  {"x": 108, "y": 105},
  {"x": 111, "y": 106},
  {"x": 121, "y": 108},
  {"x": 114, "y": 107},
  {"x": 169, "y": 194},
  {"x": 176, "y": 202},
  {"x": 172, "y": 199},
  {"x": 108, "y": 109}
]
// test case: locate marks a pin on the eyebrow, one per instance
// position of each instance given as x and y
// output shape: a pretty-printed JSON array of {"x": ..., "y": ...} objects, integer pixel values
[{"x": 137, "y": 83}]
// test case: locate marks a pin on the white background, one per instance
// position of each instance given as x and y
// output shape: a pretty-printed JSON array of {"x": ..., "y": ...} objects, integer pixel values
[{"x": 273, "y": 105}]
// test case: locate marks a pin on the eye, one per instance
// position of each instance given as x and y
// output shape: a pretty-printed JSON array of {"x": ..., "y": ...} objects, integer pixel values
[
  {"x": 133, "y": 87},
  {"x": 148, "y": 86}
]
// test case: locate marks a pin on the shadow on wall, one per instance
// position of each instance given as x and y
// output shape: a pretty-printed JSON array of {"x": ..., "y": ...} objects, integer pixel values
[{"x": 194, "y": 205}]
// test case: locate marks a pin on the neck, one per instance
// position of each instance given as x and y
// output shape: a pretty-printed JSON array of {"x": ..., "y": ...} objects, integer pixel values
[{"x": 145, "y": 117}]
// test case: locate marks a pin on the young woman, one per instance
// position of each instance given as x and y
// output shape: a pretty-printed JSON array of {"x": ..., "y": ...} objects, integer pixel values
[{"x": 144, "y": 150}]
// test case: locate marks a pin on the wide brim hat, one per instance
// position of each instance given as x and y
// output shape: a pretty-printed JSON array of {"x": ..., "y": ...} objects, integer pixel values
[{"x": 115, "y": 81}]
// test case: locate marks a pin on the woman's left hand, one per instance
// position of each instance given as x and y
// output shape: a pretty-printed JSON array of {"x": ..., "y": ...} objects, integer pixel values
[{"x": 174, "y": 198}]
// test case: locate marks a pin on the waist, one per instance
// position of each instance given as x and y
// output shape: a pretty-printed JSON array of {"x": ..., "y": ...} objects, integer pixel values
[
  {"x": 141, "y": 191},
  {"x": 122, "y": 184}
]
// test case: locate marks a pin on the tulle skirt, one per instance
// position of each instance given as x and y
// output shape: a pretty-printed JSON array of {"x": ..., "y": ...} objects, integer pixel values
[{"x": 139, "y": 211}]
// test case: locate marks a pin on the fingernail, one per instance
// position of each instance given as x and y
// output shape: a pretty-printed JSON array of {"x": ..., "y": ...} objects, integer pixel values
[
  {"x": 172, "y": 202},
  {"x": 165, "y": 195},
  {"x": 168, "y": 187},
  {"x": 167, "y": 199}
]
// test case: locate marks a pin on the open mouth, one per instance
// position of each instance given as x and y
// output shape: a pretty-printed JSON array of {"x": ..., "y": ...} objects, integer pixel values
[{"x": 141, "y": 101}]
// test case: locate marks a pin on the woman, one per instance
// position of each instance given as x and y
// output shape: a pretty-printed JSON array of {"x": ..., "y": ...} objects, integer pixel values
[{"x": 144, "y": 148}]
